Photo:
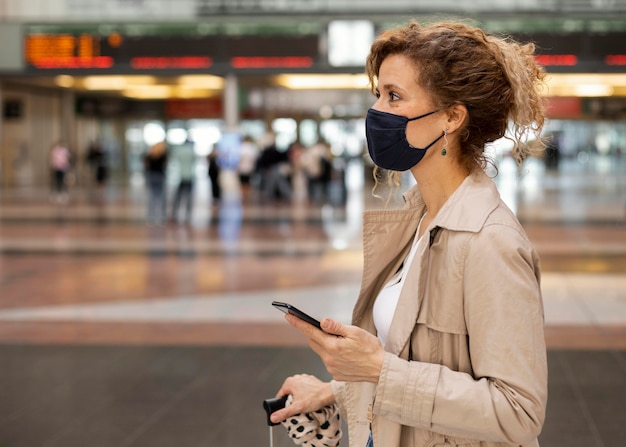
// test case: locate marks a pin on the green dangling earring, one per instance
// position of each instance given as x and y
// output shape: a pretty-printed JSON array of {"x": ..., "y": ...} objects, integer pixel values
[{"x": 445, "y": 144}]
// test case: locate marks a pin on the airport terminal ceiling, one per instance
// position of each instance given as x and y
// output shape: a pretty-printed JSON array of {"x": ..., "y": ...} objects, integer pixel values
[{"x": 160, "y": 61}]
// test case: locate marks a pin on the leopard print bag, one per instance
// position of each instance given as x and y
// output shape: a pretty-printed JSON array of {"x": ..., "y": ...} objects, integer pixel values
[{"x": 321, "y": 428}]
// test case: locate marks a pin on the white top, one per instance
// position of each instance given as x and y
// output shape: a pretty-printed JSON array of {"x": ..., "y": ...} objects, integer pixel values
[{"x": 387, "y": 299}]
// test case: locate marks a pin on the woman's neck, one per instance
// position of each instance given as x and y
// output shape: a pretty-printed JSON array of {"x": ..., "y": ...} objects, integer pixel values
[{"x": 437, "y": 185}]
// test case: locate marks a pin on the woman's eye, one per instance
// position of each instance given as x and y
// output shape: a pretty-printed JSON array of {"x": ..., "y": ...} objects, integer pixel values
[{"x": 391, "y": 95}]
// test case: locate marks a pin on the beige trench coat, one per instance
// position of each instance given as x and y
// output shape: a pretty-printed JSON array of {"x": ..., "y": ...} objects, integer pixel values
[{"x": 470, "y": 316}]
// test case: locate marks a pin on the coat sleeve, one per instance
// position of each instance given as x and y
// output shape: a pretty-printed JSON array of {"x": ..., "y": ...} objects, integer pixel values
[{"x": 504, "y": 399}]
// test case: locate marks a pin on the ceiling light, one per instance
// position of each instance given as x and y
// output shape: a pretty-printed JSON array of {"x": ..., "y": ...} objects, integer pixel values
[
  {"x": 104, "y": 82},
  {"x": 140, "y": 80},
  {"x": 65, "y": 81},
  {"x": 185, "y": 91},
  {"x": 116, "y": 82},
  {"x": 322, "y": 82},
  {"x": 148, "y": 92},
  {"x": 585, "y": 85},
  {"x": 593, "y": 90},
  {"x": 201, "y": 81}
]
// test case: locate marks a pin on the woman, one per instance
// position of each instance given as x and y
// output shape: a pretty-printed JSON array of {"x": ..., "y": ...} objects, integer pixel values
[{"x": 447, "y": 343}]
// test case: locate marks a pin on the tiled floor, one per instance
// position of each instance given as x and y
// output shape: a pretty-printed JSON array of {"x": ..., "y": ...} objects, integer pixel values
[
  {"x": 189, "y": 396},
  {"x": 116, "y": 333}
]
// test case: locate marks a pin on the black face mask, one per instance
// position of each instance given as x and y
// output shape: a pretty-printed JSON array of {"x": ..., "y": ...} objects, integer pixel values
[{"x": 387, "y": 143}]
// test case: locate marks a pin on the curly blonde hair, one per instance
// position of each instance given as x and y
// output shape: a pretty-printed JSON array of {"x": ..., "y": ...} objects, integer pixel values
[{"x": 496, "y": 78}]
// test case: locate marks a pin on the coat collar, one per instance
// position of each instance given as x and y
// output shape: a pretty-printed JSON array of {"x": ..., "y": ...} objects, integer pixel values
[
  {"x": 388, "y": 235},
  {"x": 467, "y": 208}
]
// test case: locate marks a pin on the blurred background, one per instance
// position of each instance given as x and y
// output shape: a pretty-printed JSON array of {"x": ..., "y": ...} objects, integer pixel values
[{"x": 170, "y": 167}]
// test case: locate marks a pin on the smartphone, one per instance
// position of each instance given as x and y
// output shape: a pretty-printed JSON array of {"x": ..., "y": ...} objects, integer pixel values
[{"x": 288, "y": 308}]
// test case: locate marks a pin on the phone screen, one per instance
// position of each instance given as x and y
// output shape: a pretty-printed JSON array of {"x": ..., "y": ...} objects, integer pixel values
[{"x": 288, "y": 308}]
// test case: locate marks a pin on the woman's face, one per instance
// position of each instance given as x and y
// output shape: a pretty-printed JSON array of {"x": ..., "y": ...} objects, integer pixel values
[{"x": 400, "y": 94}]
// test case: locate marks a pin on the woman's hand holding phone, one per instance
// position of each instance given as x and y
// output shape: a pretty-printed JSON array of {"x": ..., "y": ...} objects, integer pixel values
[{"x": 349, "y": 353}]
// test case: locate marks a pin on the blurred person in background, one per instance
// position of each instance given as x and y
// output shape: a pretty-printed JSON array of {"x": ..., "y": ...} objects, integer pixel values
[
  {"x": 446, "y": 345},
  {"x": 316, "y": 161},
  {"x": 274, "y": 169},
  {"x": 214, "y": 175},
  {"x": 299, "y": 185},
  {"x": 97, "y": 159},
  {"x": 60, "y": 165},
  {"x": 184, "y": 156},
  {"x": 249, "y": 153},
  {"x": 155, "y": 164},
  {"x": 552, "y": 156}
]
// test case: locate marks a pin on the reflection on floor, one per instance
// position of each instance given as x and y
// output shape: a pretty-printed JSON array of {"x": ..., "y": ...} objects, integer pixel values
[{"x": 117, "y": 333}]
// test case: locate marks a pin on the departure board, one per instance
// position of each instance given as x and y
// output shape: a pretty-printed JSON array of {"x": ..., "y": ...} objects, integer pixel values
[
  {"x": 65, "y": 51},
  {"x": 116, "y": 53}
]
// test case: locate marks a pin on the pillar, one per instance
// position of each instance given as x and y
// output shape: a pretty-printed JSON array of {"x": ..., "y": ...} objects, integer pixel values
[
  {"x": 5, "y": 173},
  {"x": 231, "y": 102}
]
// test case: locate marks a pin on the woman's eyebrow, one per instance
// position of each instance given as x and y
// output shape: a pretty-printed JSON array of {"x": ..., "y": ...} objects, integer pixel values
[
  {"x": 389, "y": 87},
  {"x": 386, "y": 86}
]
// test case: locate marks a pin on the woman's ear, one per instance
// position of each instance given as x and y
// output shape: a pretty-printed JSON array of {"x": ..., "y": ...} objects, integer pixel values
[{"x": 457, "y": 114}]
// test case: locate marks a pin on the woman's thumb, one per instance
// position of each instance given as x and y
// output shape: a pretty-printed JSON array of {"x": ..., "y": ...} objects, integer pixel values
[{"x": 333, "y": 327}]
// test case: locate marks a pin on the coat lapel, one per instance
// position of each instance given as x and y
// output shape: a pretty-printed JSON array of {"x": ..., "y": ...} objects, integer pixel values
[{"x": 409, "y": 303}]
